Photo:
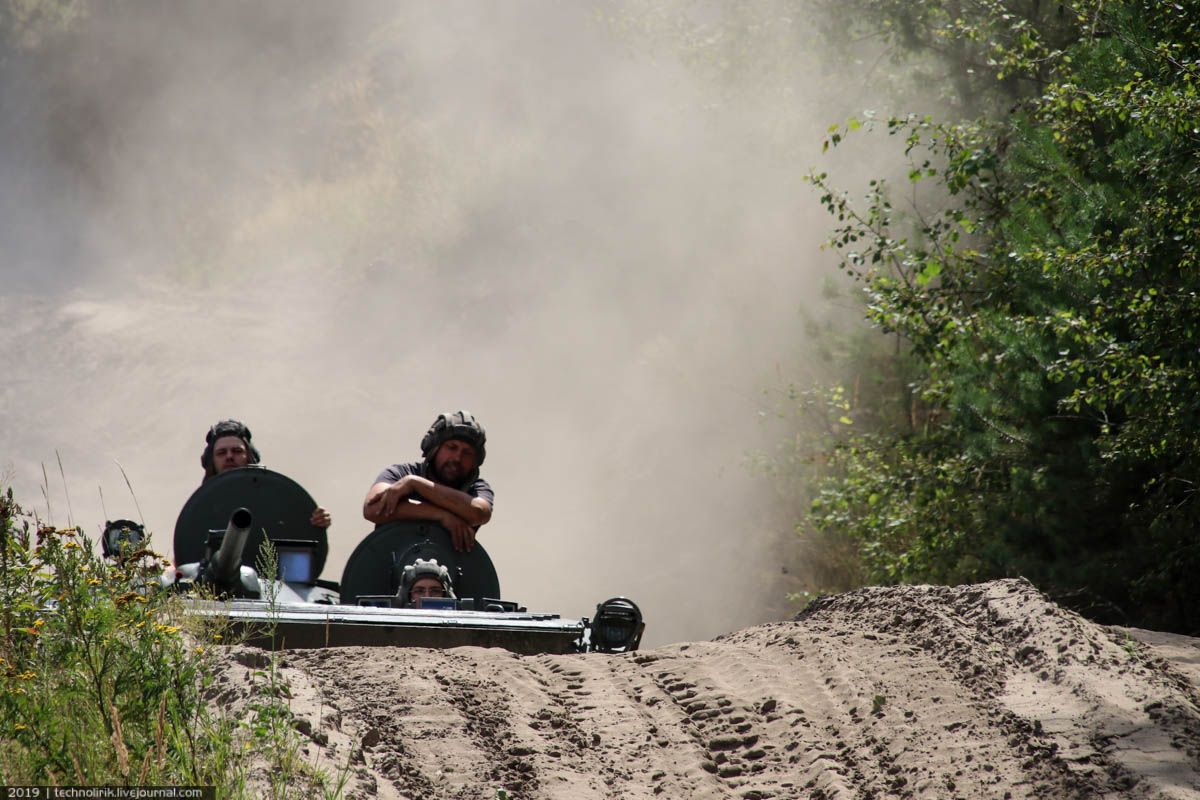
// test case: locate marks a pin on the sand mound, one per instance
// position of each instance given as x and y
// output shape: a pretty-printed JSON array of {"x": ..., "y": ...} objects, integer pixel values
[{"x": 973, "y": 692}]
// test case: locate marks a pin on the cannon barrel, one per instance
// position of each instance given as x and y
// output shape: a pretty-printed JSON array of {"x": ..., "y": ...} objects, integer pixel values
[{"x": 226, "y": 563}]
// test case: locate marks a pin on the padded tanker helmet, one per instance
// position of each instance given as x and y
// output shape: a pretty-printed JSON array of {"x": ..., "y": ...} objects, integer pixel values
[
  {"x": 422, "y": 568},
  {"x": 226, "y": 427},
  {"x": 459, "y": 425},
  {"x": 121, "y": 538}
]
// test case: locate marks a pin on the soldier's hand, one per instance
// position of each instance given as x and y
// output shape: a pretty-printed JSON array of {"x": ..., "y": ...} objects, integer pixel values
[
  {"x": 391, "y": 497},
  {"x": 462, "y": 534},
  {"x": 320, "y": 517}
]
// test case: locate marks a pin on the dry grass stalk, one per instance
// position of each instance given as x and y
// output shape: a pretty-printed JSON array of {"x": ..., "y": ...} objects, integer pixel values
[
  {"x": 118, "y": 740},
  {"x": 63, "y": 473},
  {"x": 160, "y": 741}
]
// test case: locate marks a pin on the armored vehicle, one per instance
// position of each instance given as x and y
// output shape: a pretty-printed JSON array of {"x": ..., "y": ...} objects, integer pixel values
[{"x": 219, "y": 544}]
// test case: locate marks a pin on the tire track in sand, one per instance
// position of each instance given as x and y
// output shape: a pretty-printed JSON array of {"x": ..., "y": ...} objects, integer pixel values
[{"x": 906, "y": 692}]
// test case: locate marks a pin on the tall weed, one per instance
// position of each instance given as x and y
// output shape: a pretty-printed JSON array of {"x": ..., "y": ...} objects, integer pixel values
[
  {"x": 98, "y": 685},
  {"x": 104, "y": 680}
]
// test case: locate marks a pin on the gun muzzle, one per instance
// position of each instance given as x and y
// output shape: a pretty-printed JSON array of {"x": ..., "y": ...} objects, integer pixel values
[{"x": 226, "y": 563}]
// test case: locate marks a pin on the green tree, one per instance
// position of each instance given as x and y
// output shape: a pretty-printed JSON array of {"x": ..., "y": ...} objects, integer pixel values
[{"x": 1044, "y": 286}]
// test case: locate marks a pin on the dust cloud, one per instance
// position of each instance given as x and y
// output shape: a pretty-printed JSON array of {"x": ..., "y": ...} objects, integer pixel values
[{"x": 334, "y": 221}]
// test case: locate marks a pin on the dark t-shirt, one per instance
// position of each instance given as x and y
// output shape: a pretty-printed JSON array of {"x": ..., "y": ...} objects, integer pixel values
[{"x": 395, "y": 472}]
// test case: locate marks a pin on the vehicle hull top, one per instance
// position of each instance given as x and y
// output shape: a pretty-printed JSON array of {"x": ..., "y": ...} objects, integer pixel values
[{"x": 313, "y": 625}]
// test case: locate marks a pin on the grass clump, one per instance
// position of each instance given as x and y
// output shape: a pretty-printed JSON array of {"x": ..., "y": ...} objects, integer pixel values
[{"x": 100, "y": 683}]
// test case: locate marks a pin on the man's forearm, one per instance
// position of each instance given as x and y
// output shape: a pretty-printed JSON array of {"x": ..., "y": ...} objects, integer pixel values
[
  {"x": 409, "y": 510},
  {"x": 474, "y": 510}
]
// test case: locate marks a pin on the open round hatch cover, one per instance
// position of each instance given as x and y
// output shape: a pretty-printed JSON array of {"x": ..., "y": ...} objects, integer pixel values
[
  {"x": 371, "y": 568},
  {"x": 280, "y": 506}
]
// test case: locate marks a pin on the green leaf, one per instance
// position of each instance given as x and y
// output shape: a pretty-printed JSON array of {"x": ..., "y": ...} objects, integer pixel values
[{"x": 931, "y": 270}]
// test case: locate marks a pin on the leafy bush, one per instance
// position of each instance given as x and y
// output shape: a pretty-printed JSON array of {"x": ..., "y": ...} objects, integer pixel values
[
  {"x": 1043, "y": 280},
  {"x": 102, "y": 684},
  {"x": 99, "y": 683}
]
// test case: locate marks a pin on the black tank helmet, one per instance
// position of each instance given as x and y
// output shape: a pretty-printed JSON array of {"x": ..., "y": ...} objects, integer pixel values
[
  {"x": 422, "y": 568},
  {"x": 226, "y": 427},
  {"x": 459, "y": 425},
  {"x": 121, "y": 538}
]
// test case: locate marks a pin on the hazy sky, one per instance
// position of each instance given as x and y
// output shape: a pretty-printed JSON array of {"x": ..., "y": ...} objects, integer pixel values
[{"x": 334, "y": 221}]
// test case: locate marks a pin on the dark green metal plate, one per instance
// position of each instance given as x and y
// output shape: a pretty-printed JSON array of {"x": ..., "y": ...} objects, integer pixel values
[
  {"x": 280, "y": 506},
  {"x": 369, "y": 569}
]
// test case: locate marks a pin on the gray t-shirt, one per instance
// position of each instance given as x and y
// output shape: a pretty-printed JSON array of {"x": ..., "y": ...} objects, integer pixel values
[{"x": 479, "y": 488}]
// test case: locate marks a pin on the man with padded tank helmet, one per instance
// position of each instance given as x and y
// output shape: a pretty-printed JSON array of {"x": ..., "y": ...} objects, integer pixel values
[
  {"x": 424, "y": 578},
  {"x": 445, "y": 487},
  {"x": 227, "y": 446}
]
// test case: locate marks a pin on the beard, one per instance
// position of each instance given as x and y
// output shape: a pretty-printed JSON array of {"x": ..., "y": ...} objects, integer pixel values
[{"x": 450, "y": 473}]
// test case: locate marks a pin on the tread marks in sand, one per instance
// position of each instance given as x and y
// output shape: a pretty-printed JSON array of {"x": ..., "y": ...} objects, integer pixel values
[{"x": 985, "y": 691}]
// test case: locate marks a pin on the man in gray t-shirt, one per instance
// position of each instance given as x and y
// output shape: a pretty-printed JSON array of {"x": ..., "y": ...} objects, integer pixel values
[{"x": 445, "y": 487}]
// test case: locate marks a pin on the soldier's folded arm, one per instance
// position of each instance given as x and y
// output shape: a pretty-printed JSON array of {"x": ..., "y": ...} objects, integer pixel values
[
  {"x": 474, "y": 510},
  {"x": 383, "y": 500},
  {"x": 379, "y": 507}
]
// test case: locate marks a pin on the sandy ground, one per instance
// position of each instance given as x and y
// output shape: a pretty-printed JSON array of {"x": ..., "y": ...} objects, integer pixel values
[{"x": 984, "y": 691}]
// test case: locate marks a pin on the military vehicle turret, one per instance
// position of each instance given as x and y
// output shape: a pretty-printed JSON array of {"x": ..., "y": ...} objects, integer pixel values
[{"x": 219, "y": 540}]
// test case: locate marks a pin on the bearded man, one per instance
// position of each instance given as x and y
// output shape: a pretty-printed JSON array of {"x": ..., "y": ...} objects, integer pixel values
[{"x": 444, "y": 487}]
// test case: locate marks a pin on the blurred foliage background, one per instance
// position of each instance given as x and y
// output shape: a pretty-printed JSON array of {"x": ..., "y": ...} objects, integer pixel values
[{"x": 1037, "y": 276}]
